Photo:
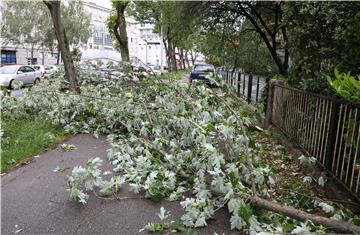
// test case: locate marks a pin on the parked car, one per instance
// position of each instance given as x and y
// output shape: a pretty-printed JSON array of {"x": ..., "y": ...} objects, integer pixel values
[
  {"x": 23, "y": 73},
  {"x": 156, "y": 69},
  {"x": 50, "y": 68},
  {"x": 45, "y": 69},
  {"x": 200, "y": 70},
  {"x": 40, "y": 68}
]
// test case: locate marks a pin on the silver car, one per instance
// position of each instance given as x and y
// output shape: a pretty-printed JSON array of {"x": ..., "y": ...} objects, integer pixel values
[{"x": 23, "y": 73}]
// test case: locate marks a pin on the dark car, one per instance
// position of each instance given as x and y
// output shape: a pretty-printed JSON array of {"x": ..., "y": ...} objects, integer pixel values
[{"x": 200, "y": 71}]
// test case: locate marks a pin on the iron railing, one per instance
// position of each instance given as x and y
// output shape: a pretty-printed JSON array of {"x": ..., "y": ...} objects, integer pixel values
[
  {"x": 248, "y": 86},
  {"x": 328, "y": 129}
]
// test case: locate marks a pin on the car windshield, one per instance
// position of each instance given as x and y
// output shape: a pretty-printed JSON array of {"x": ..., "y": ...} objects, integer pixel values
[
  {"x": 203, "y": 68},
  {"x": 8, "y": 70}
]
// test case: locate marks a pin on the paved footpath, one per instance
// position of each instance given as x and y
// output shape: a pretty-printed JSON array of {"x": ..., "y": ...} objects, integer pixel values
[{"x": 35, "y": 200}]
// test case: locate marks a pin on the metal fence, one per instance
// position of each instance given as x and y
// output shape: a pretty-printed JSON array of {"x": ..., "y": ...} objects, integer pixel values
[
  {"x": 249, "y": 86},
  {"x": 326, "y": 128}
]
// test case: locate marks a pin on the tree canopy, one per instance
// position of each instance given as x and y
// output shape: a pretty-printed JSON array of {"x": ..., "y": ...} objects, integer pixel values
[{"x": 30, "y": 24}]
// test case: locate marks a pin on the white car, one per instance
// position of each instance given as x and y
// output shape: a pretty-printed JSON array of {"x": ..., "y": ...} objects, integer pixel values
[
  {"x": 23, "y": 73},
  {"x": 50, "y": 69},
  {"x": 45, "y": 69},
  {"x": 156, "y": 69}
]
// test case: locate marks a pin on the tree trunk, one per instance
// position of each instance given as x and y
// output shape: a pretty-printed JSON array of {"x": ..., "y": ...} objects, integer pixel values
[
  {"x": 192, "y": 58},
  {"x": 70, "y": 72},
  {"x": 335, "y": 225},
  {"x": 173, "y": 58},
  {"x": 187, "y": 59},
  {"x": 32, "y": 54},
  {"x": 183, "y": 65},
  {"x": 167, "y": 53},
  {"x": 120, "y": 30},
  {"x": 58, "y": 56}
]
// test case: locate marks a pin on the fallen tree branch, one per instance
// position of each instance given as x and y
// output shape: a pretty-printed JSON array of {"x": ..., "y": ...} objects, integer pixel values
[
  {"x": 256, "y": 201},
  {"x": 335, "y": 225}
]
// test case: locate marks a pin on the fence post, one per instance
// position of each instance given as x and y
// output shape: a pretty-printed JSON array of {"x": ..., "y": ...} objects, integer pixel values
[
  {"x": 238, "y": 84},
  {"x": 227, "y": 77},
  {"x": 332, "y": 135},
  {"x": 257, "y": 89},
  {"x": 249, "y": 89},
  {"x": 270, "y": 101},
  {"x": 244, "y": 86}
]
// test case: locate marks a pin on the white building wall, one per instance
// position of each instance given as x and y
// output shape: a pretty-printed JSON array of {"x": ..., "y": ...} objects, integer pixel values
[
  {"x": 149, "y": 45},
  {"x": 143, "y": 43}
]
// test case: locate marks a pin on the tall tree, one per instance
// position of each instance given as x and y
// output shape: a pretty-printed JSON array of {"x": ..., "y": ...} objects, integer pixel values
[
  {"x": 70, "y": 72},
  {"x": 22, "y": 27},
  {"x": 30, "y": 24},
  {"x": 266, "y": 21},
  {"x": 318, "y": 37},
  {"x": 117, "y": 27}
]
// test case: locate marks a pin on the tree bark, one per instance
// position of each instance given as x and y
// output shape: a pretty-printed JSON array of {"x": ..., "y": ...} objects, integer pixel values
[
  {"x": 268, "y": 36},
  {"x": 192, "y": 57},
  {"x": 70, "y": 72},
  {"x": 182, "y": 60},
  {"x": 32, "y": 54},
  {"x": 187, "y": 59},
  {"x": 43, "y": 57},
  {"x": 173, "y": 57},
  {"x": 335, "y": 225},
  {"x": 120, "y": 30},
  {"x": 58, "y": 56}
]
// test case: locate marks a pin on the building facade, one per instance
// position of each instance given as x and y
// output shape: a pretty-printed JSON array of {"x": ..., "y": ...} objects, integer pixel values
[{"x": 144, "y": 44}]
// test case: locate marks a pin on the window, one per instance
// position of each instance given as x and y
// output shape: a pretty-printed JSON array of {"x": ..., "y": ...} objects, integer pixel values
[
  {"x": 8, "y": 57},
  {"x": 34, "y": 61},
  {"x": 22, "y": 69},
  {"x": 28, "y": 69},
  {"x": 108, "y": 40},
  {"x": 97, "y": 38}
]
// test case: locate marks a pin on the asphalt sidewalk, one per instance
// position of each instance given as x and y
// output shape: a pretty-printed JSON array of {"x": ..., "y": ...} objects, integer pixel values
[{"x": 35, "y": 200}]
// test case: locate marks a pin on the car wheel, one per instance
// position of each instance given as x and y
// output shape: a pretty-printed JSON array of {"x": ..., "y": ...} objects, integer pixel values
[
  {"x": 37, "y": 80},
  {"x": 10, "y": 85}
]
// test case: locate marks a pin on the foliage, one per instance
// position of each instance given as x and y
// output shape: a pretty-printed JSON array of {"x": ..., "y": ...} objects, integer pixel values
[
  {"x": 19, "y": 146},
  {"x": 236, "y": 49},
  {"x": 346, "y": 85},
  {"x": 30, "y": 24},
  {"x": 318, "y": 33},
  {"x": 178, "y": 75},
  {"x": 170, "y": 141},
  {"x": 350, "y": 56},
  {"x": 21, "y": 25},
  {"x": 116, "y": 25},
  {"x": 262, "y": 19},
  {"x": 177, "y": 20}
]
